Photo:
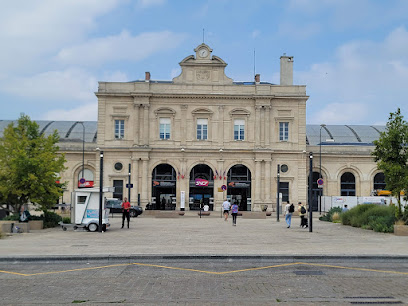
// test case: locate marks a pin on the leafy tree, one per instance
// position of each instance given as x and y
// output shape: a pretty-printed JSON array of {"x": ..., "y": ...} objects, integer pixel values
[
  {"x": 391, "y": 155},
  {"x": 29, "y": 166}
]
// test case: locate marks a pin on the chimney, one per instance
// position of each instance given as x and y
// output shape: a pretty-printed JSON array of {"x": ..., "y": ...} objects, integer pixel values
[
  {"x": 147, "y": 76},
  {"x": 257, "y": 78},
  {"x": 286, "y": 70}
]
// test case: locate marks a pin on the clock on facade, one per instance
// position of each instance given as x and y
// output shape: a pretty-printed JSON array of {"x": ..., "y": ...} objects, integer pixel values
[{"x": 203, "y": 52}]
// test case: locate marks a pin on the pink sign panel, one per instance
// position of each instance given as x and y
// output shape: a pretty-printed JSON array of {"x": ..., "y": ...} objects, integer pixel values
[{"x": 201, "y": 182}]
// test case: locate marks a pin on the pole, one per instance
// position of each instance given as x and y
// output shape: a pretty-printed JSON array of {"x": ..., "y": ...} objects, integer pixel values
[
  {"x": 129, "y": 184},
  {"x": 320, "y": 171},
  {"x": 277, "y": 197},
  {"x": 310, "y": 191},
  {"x": 100, "y": 190}
]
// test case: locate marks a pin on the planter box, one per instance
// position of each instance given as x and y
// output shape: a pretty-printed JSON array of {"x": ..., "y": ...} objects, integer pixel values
[
  {"x": 36, "y": 224},
  {"x": 5, "y": 226},
  {"x": 401, "y": 230}
]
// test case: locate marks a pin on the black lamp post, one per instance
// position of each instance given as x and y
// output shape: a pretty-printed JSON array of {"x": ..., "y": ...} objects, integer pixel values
[
  {"x": 310, "y": 192},
  {"x": 100, "y": 190},
  {"x": 320, "y": 172}
]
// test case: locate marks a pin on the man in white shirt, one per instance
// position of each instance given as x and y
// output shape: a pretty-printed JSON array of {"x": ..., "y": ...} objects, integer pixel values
[{"x": 226, "y": 207}]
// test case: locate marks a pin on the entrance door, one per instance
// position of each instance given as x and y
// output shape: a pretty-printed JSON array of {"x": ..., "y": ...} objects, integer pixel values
[
  {"x": 239, "y": 186},
  {"x": 164, "y": 188},
  {"x": 201, "y": 187}
]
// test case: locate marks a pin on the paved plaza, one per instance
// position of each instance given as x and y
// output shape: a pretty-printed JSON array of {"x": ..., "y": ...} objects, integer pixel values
[{"x": 209, "y": 236}]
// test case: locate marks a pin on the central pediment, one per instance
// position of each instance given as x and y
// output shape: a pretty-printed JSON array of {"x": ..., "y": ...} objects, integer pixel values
[{"x": 203, "y": 68}]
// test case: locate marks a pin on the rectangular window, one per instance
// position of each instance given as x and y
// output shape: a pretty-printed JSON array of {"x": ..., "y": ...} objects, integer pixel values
[
  {"x": 165, "y": 128},
  {"x": 284, "y": 190},
  {"x": 202, "y": 127},
  {"x": 283, "y": 131},
  {"x": 118, "y": 193},
  {"x": 239, "y": 129},
  {"x": 119, "y": 129}
]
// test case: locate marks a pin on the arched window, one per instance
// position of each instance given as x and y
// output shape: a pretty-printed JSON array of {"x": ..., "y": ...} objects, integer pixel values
[
  {"x": 348, "y": 184},
  {"x": 88, "y": 175},
  {"x": 379, "y": 181}
]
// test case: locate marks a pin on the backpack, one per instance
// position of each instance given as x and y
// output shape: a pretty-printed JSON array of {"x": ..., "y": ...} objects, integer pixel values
[
  {"x": 302, "y": 210},
  {"x": 291, "y": 208}
]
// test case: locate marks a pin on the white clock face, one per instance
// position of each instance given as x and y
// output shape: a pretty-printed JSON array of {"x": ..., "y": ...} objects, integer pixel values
[{"x": 203, "y": 53}]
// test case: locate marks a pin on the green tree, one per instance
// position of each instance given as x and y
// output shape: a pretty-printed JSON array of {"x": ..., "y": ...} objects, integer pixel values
[
  {"x": 29, "y": 166},
  {"x": 391, "y": 155}
]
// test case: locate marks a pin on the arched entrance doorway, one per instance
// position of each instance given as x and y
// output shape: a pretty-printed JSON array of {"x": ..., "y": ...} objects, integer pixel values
[
  {"x": 201, "y": 187},
  {"x": 239, "y": 186},
  {"x": 348, "y": 184},
  {"x": 163, "y": 188}
]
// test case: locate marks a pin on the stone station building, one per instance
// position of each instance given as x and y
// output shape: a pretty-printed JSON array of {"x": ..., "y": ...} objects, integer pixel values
[{"x": 202, "y": 137}]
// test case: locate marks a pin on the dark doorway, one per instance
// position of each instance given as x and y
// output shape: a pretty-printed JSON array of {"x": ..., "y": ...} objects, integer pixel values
[
  {"x": 201, "y": 187},
  {"x": 239, "y": 186},
  {"x": 164, "y": 188}
]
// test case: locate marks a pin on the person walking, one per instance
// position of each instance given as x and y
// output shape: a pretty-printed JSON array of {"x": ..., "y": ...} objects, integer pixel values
[
  {"x": 226, "y": 207},
  {"x": 234, "y": 213},
  {"x": 302, "y": 214},
  {"x": 126, "y": 212},
  {"x": 289, "y": 209}
]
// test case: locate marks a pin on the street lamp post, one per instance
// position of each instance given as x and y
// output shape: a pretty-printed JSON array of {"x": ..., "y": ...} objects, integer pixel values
[
  {"x": 320, "y": 171},
  {"x": 310, "y": 192},
  {"x": 83, "y": 148},
  {"x": 100, "y": 190}
]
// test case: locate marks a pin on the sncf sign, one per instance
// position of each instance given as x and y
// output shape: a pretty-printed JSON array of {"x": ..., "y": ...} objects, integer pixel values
[{"x": 201, "y": 182}]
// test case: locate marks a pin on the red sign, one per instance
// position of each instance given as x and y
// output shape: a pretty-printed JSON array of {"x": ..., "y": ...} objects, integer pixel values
[
  {"x": 201, "y": 182},
  {"x": 86, "y": 184}
]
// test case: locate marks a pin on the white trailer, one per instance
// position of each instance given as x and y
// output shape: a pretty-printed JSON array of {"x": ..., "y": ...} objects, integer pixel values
[{"x": 86, "y": 209}]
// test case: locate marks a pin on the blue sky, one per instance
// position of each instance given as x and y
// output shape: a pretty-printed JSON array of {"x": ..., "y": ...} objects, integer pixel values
[{"x": 351, "y": 54}]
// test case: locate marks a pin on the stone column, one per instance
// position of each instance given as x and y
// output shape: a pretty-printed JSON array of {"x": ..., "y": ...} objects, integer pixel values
[
  {"x": 183, "y": 124},
  {"x": 220, "y": 129},
  {"x": 136, "y": 123},
  {"x": 257, "y": 126},
  {"x": 267, "y": 189},
  {"x": 144, "y": 192},
  {"x": 146, "y": 124},
  {"x": 267, "y": 126},
  {"x": 262, "y": 131},
  {"x": 257, "y": 181}
]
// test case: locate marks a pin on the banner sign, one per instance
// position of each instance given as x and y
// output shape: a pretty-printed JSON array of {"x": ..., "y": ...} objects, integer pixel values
[
  {"x": 86, "y": 184},
  {"x": 163, "y": 184},
  {"x": 238, "y": 185},
  {"x": 201, "y": 182}
]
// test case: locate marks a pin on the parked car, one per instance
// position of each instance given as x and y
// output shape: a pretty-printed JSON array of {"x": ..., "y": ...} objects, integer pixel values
[{"x": 115, "y": 206}]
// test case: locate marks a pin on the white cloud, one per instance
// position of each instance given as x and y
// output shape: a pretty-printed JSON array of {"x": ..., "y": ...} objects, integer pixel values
[
  {"x": 86, "y": 112},
  {"x": 298, "y": 31},
  {"x": 67, "y": 85},
  {"x": 120, "y": 47},
  {"x": 369, "y": 78},
  {"x": 36, "y": 29},
  {"x": 255, "y": 33}
]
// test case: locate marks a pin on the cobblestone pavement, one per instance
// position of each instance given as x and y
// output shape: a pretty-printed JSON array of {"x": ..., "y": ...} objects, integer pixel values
[{"x": 177, "y": 282}]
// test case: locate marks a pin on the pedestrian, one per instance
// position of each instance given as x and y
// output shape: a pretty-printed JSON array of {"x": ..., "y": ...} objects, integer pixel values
[
  {"x": 226, "y": 207},
  {"x": 289, "y": 209},
  {"x": 302, "y": 214},
  {"x": 234, "y": 213},
  {"x": 126, "y": 212},
  {"x": 345, "y": 208}
]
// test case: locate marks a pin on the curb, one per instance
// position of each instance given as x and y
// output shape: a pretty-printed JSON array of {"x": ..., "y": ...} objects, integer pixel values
[{"x": 132, "y": 258}]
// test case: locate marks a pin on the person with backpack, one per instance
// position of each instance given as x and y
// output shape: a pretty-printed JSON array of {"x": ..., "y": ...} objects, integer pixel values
[
  {"x": 289, "y": 209},
  {"x": 234, "y": 213},
  {"x": 302, "y": 214}
]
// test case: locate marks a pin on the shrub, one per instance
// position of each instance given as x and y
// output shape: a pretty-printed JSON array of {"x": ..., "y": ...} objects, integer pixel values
[
  {"x": 336, "y": 217},
  {"x": 328, "y": 216},
  {"x": 405, "y": 215},
  {"x": 12, "y": 218},
  {"x": 66, "y": 220},
  {"x": 51, "y": 219},
  {"x": 379, "y": 218},
  {"x": 384, "y": 224}
]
